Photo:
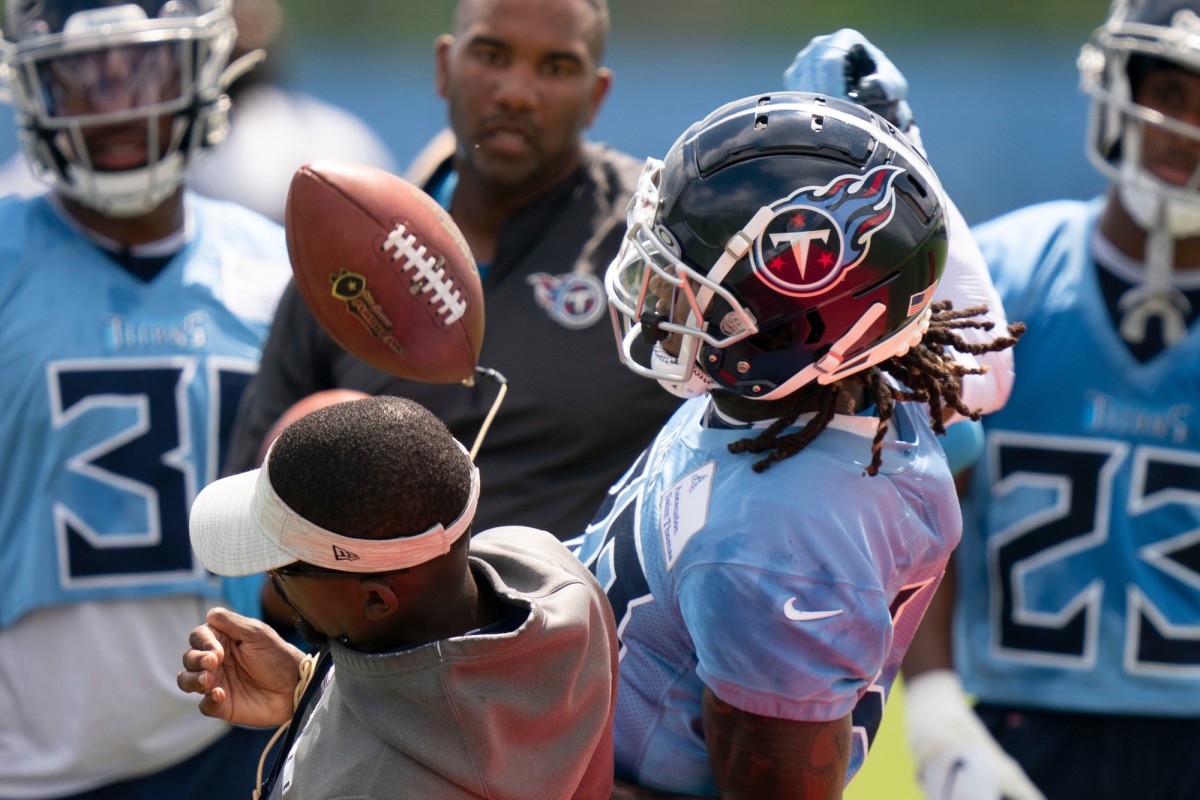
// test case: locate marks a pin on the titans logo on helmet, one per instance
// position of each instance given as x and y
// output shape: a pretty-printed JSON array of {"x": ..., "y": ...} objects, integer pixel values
[{"x": 820, "y": 233}]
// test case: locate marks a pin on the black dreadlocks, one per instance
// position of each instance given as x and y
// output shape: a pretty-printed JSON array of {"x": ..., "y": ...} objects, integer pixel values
[{"x": 926, "y": 373}]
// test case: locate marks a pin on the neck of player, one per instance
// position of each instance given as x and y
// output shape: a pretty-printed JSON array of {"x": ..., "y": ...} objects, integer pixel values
[{"x": 156, "y": 224}]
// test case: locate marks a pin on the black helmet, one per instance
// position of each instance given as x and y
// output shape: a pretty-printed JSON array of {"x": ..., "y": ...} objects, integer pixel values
[{"x": 785, "y": 238}]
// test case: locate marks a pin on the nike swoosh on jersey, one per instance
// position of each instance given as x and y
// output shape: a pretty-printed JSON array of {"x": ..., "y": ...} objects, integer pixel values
[{"x": 791, "y": 612}]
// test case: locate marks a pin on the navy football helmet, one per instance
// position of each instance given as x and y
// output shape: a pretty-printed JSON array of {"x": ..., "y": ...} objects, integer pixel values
[
  {"x": 145, "y": 78},
  {"x": 785, "y": 239}
]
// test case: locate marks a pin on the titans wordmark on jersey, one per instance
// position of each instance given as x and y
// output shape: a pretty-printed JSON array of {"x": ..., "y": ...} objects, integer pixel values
[{"x": 120, "y": 395}]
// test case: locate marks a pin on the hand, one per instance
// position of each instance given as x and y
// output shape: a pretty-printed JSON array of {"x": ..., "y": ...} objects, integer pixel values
[
  {"x": 845, "y": 65},
  {"x": 245, "y": 671},
  {"x": 957, "y": 759}
]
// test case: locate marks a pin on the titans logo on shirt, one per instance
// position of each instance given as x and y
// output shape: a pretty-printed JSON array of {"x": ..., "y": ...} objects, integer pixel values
[{"x": 575, "y": 300}]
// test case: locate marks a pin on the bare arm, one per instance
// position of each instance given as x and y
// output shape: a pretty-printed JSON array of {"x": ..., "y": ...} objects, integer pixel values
[{"x": 763, "y": 757}]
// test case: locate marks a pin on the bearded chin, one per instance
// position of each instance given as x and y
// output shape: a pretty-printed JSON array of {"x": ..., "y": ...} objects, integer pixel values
[{"x": 314, "y": 638}]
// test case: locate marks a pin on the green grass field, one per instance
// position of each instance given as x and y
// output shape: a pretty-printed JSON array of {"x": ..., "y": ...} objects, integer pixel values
[{"x": 889, "y": 771}]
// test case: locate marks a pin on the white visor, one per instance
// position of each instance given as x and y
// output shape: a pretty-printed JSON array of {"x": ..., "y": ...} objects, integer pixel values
[{"x": 240, "y": 526}]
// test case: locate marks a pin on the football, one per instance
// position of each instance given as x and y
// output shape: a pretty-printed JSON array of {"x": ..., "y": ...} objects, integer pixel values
[{"x": 385, "y": 271}]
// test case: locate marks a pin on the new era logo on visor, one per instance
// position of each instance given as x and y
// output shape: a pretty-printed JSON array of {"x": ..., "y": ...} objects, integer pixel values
[{"x": 342, "y": 554}]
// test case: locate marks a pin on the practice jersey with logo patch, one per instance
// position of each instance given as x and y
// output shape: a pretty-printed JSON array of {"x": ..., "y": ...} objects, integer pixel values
[
  {"x": 791, "y": 593},
  {"x": 1084, "y": 575},
  {"x": 118, "y": 395}
]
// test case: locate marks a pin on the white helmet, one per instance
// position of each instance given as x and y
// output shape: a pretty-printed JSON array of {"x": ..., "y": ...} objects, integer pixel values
[
  {"x": 117, "y": 99},
  {"x": 1137, "y": 36}
]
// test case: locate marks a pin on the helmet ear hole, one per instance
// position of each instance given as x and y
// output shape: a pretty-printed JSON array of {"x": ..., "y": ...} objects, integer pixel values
[
  {"x": 774, "y": 339},
  {"x": 816, "y": 327}
]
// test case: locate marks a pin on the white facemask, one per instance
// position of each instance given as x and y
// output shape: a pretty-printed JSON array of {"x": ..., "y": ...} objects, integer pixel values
[
  {"x": 1142, "y": 201},
  {"x": 1153, "y": 204},
  {"x": 698, "y": 382}
]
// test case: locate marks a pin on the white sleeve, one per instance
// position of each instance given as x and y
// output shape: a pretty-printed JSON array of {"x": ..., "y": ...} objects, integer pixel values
[{"x": 966, "y": 283}]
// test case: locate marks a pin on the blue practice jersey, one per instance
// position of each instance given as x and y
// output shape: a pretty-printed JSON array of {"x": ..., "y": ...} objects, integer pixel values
[
  {"x": 791, "y": 593},
  {"x": 117, "y": 396},
  {"x": 1081, "y": 589}
]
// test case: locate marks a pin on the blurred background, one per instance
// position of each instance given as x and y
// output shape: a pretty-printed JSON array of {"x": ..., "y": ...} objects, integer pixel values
[{"x": 993, "y": 84}]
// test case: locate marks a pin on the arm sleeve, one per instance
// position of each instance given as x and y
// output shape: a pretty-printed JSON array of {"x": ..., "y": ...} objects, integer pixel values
[
  {"x": 296, "y": 362},
  {"x": 966, "y": 283}
]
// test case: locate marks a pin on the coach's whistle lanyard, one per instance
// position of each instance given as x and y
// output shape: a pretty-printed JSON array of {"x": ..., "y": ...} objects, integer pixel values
[{"x": 312, "y": 673}]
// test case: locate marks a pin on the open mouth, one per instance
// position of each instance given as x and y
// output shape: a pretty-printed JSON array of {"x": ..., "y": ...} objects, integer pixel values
[
  {"x": 507, "y": 140},
  {"x": 118, "y": 149},
  {"x": 1176, "y": 173}
]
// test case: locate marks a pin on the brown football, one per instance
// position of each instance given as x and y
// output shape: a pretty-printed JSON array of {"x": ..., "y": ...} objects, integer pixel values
[{"x": 385, "y": 271}]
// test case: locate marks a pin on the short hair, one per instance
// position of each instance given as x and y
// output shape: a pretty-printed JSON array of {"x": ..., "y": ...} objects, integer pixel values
[
  {"x": 377, "y": 468},
  {"x": 603, "y": 22}
]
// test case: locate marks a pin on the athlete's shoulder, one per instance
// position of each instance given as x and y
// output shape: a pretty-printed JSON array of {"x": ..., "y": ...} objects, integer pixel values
[
  {"x": 241, "y": 255},
  {"x": 16, "y": 214},
  {"x": 20, "y": 219},
  {"x": 236, "y": 226},
  {"x": 1036, "y": 224},
  {"x": 1027, "y": 249},
  {"x": 14, "y": 211}
]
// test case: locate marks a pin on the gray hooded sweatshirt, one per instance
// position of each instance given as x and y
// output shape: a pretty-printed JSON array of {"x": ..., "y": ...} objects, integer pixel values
[{"x": 521, "y": 715}]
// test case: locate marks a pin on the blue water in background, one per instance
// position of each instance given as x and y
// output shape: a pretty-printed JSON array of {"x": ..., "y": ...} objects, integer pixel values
[{"x": 1003, "y": 120}]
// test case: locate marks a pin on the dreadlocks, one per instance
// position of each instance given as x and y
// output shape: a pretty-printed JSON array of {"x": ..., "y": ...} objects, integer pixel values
[{"x": 926, "y": 373}]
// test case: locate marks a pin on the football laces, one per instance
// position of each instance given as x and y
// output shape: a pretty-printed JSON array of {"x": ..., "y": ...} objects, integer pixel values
[{"x": 427, "y": 273}]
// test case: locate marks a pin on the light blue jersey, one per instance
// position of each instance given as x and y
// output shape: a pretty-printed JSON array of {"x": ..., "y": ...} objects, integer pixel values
[
  {"x": 117, "y": 396},
  {"x": 1081, "y": 590},
  {"x": 791, "y": 593}
]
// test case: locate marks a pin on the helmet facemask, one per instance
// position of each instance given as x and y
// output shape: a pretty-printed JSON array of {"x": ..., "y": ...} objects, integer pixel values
[
  {"x": 117, "y": 107},
  {"x": 1138, "y": 40},
  {"x": 658, "y": 300}
]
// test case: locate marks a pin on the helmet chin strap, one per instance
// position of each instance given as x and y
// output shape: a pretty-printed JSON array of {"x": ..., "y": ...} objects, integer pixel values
[
  {"x": 697, "y": 383},
  {"x": 1164, "y": 219},
  {"x": 128, "y": 193},
  {"x": 1155, "y": 296}
]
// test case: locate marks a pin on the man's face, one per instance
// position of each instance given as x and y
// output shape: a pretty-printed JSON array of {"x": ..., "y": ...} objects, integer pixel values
[
  {"x": 311, "y": 599},
  {"x": 522, "y": 84},
  {"x": 1172, "y": 157},
  {"x": 112, "y": 81}
]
